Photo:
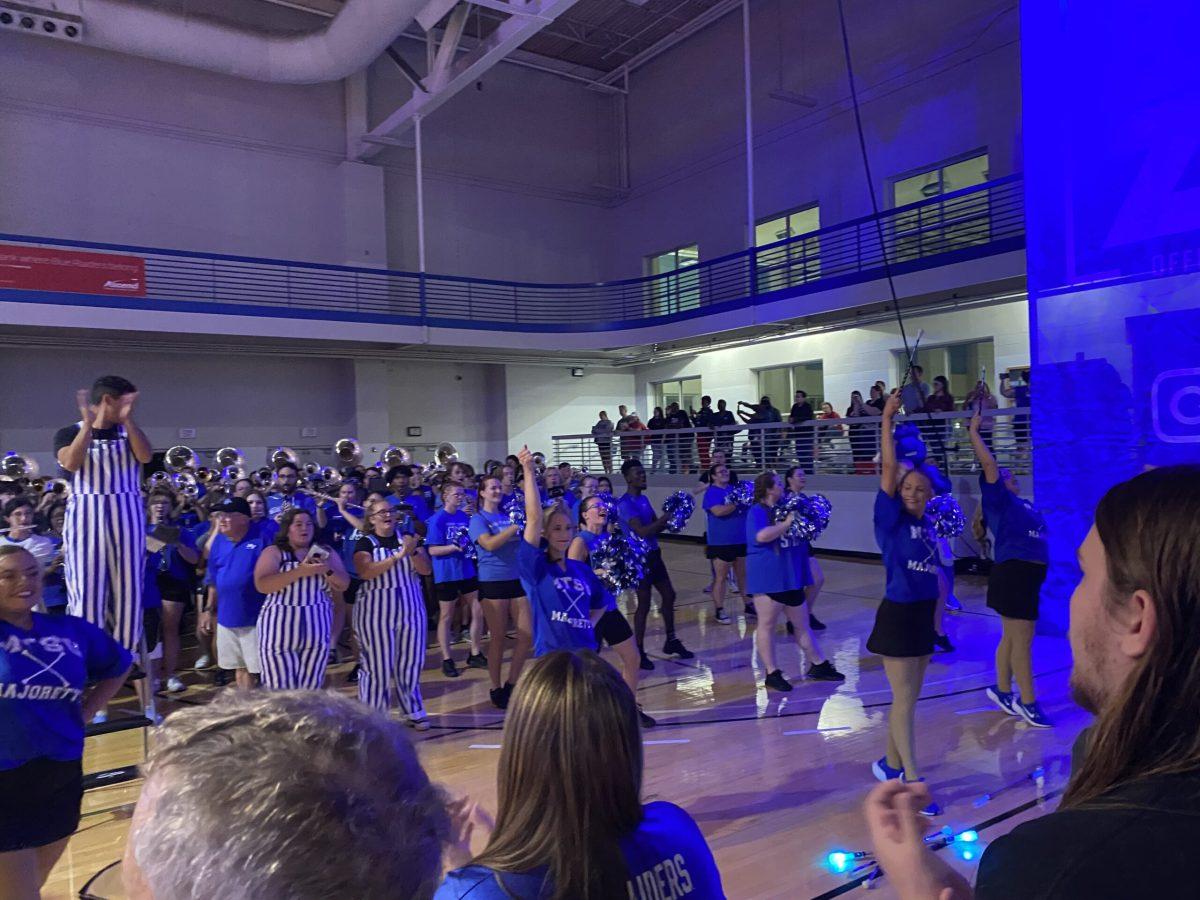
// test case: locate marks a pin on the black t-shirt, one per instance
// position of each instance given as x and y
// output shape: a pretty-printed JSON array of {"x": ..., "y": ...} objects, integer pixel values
[
  {"x": 365, "y": 544},
  {"x": 723, "y": 417},
  {"x": 1137, "y": 841},
  {"x": 65, "y": 436},
  {"x": 801, "y": 412}
]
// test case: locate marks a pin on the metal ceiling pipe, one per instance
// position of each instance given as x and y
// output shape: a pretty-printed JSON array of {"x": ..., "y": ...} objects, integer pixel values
[{"x": 351, "y": 40}]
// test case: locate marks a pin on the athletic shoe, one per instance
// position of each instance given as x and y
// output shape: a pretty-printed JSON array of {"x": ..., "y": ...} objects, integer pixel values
[
  {"x": 499, "y": 698},
  {"x": 776, "y": 682},
  {"x": 476, "y": 661},
  {"x": 1003, "y": 699},
  {"x": 221, "y": 678},
  {"x": 646, "y": 664},
  {"x": 941, "y": 643},
  {"x": 421, "y": 724},
  {"x": 100, "y": 718},
  {"x": 352, "y": 675},
  {"x": 674, "y": 647},
  {"x": 646, "y": 721},
  {"x": 1032, "y": 714},
  {"x": 733, "y": 585},
  {"x": 953, "y": 604},
  {"x": 708, "y": 588},
  {"x": 883, "y": 772},
  {"x": 815, "y": 624},
  {"x": 934, "y": 808},
  {"x": 508, "y": 689},
  {"x": 204, "y": 662},
  {"x": 824, "y": 672},
  {"x": 750, "y": 611},
  {"x": 175, "y": 686},
  {"x": 463, "y": 636},
  {"x": 449, "y": 669},
  {"x": 721, "y": 617}
]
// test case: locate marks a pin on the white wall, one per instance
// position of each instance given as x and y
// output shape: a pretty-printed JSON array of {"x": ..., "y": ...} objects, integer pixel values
[
  {"x": 853, "y": 358},
  {"x": 543, "y": 401}
]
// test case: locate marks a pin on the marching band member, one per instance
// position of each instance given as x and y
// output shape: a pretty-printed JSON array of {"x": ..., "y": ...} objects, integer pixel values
[
  {"x": 54, "y": 589},
  {"x": 500, "y": 590},
  {"x": 454, "y": 576},
  {"x": 19, "y": 521},
  {"x": 173, "y": 572},
  {"x": 287, "y": 494},
  {"x": 233, "y": 602},
  {"x": 104, "y": 534},
  {"x": 389, "y": 616},
  {"x": 399, "y": 479},
  {"x": 264, "y": 526},
  {"x": 637, "y": 513},
  {"x": 296, "y": 619}
]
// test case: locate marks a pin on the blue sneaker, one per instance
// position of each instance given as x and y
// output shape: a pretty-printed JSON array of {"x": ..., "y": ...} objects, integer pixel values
[
  {"x": 884, "y": 772},
  {"x": 1003, "y": 699},
  {"x": 934, "y": 808},
  {"x": 1033, "y": 714}
]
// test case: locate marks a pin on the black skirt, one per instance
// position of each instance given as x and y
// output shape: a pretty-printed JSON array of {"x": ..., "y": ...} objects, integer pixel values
[
  {"x": 501, "y": 590},
  {"x": 903, "y": 629},
  {"x": 39, "y": 803},
  {"x": 1014, "y": 588}
]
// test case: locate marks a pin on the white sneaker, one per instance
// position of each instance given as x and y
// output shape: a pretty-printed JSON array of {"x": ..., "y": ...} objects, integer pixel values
[
  {"x": 421, "y": 724},
  {"x": 175, "y": 686},
  {"x": 100, "y": 718},
  {"x": 204, "y": 662}
]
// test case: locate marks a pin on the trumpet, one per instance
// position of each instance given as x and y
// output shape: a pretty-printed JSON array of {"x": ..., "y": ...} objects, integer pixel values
[
  {"x": 348, "y": 452},
  {"x": 179, "y": 458},
  {"x": 16, "y": 467},
  {"x": 159, "y": 479},
  {"x": 229, "y": 456},
  {"x": 51, "y": 485},
  {"x": 539, "y": 461}
]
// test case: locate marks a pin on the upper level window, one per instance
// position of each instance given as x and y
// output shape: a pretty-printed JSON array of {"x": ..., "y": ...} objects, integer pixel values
[
  {"x": 794, "y": 262},
  {"x": 939, "y": 227},
  {"x": 672, "y": 293}
]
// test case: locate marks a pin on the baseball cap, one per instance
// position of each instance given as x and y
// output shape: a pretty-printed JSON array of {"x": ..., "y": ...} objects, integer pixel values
[{"x": 233, "y": 505}]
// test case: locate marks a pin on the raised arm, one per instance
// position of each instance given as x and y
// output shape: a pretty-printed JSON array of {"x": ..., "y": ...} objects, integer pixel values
[
  {"x": 887, "y": 445},
  {"x": 71, "y": 456},
  {"x": 991, "y": 471},
  {"x": 143, "y": 452},
  {"x": 533, "y": 499}
]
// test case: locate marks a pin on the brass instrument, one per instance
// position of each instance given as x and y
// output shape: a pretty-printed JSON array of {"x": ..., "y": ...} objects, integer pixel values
[
  {"x": 234, "y": 474},
  {"x": 179, "y": 458},
  {"x": 445, "y": 454},
  {"x": 281, "y": 456},
  {"x": 205, "y": 475},
  {"x": 395, "y": 456},
  {"x": 491, "y": 464},
  {"x": 539, "y": 461},
  {"x": 262, "y": 478},
  {"x": 348, "y": 452},
  {"x": 46, "y": 485},
  {"x": 186, "y": 483},
  {"x": 18, "y": 468},
  {"x": 159, "y": 479},
  {"x": 229, "y": 456},
  {"x": 311, "y": 469}
]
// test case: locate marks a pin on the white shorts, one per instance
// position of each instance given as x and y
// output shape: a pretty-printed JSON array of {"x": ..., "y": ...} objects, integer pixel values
[{"x": 237, "y": 648}]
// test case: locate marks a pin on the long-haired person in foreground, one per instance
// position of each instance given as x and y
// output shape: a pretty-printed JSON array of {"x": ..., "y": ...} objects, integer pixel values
[
  {"x": 1129, "y": 821},
  {"x": 56, "y": 672},
  {"x": 570, "y": 821},
  {"x": 305, "y": 795}
]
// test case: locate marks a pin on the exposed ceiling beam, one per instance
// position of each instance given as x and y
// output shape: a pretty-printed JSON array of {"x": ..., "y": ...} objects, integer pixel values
[
  {"x": 680, "y": 34},
  {"x": 507, "y": 37}
]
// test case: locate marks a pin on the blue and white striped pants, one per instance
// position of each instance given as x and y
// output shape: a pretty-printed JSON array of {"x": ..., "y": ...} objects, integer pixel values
[
  {"x": 293, "y": 644},
  {"x": 104, "y": 561},
  {"x": 391, "y": 626}
]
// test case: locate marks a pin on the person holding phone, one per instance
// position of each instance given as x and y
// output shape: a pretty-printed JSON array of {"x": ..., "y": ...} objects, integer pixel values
[{"x": 297, "y": 615}]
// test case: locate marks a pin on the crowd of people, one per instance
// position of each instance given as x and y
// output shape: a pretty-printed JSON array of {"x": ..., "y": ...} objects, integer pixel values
[{"x": 87, "y": 591}]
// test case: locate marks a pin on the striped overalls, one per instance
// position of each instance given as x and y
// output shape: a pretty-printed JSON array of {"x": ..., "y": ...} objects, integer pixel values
[
  {"x": 104, "y": 540},
  {"x": 293, "y": 632},
  {"x": 391, "y": 623}
]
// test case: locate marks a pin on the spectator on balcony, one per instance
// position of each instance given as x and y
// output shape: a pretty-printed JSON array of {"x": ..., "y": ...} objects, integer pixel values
[
  {"x": 981, "y": 399},
  {"x": 1014, "y": 390},
  {"x": 878, "y": 396},
  {"x": 864, "y": 436},
  {"x": 679, "y": 446},
  {"x": 658, "y": 442},
  {"x": 622, "y": 417},
  {"x": 602, "y": 433},
  {"x": 723, "y": 440},
  {"x": 632, "y": 441},
  {"x": 764, "y": 442},
  {"x": 703, "y": 419},
  {"x": 915, "y": 391},
  {"x": 802, "y": 412},
  {"x": 937, "y": 433},
  {"x": 828, "y": 433}
]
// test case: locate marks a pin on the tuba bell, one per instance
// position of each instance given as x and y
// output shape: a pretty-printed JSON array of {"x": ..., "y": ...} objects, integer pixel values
[
  {"x": 395, "y": 456},
  {"x": 229, "y": 456},
  {"x": 18, "y": 468},
  {"x": 445, "y": 454},
  {"x": 233, "y": 474},
  {"x": 159, "y": 479},
  {"x": 281, "y": 456},
  {"x": 348, "y": 452},
  {"x": 179, "y": 458}
]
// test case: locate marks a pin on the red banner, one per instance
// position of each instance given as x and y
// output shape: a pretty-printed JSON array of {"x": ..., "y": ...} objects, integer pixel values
[{"x": 71, "y": 271}]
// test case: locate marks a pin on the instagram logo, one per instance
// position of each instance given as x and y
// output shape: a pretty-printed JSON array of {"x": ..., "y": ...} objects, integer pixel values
[{"x": 1175, "y": 402}]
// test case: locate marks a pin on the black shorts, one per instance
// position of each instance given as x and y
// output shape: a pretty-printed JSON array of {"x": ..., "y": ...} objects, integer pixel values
[
  {"x": 656, "y": 569},
  {"x": 903, "y": 629},
  {"x": 500, "y": 590},
  {"x": 449, "y": 591},
  {"x": 613, "y": 628},
  {"x": 1014, "y": 587},
  {"x": 789, "y": 598},
  {"x": 152, "y": 626},
  {"x": 726, "y": 552},
  {"x": 39, "y": 803},
  {"x": 178, "y": 595}
]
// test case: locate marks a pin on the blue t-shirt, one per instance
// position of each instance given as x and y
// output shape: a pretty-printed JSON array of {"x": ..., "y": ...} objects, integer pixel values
[
  {"x": 498, "y": 565},
  {"x": 769, "y": 567},
  {"x": 43, "y": 673},
  {"x": 420, "y": 508},
  {"x": 667, "y": 857},
  {"x": 630, "y": 507},
  {"x": 570, "y": 501},
  {"x": 231, "y": 571},
  {"x": 275, "y": 504},
  {"x": 562, "y": 598},
  {"x": 1019, "y": 529},
  {"x": 444, "y": 529},
  {"x": 723, "y": 530},
  {"x": 54, "y": 583},
  {"x": 910, "y": 551},
  {"x": 590, "y": 540}
]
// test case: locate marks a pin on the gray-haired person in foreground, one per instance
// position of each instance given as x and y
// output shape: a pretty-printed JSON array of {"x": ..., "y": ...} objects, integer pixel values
[{"x": 295, "y": 794}]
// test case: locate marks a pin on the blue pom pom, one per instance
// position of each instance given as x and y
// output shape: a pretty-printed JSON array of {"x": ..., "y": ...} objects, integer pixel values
[
  {"x": 946, "y": 515},
  {"x": 621, "y": 556},
  {"x": 741, "y": 493},
  {"x": 514, "y": 508},
  {"x": 678, "y": 508}
]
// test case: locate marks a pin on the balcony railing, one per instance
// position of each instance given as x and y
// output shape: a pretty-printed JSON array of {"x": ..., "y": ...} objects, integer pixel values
[
  {"x": 973, "y": 222},
  {"x": 847, "y": 446}
]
